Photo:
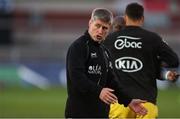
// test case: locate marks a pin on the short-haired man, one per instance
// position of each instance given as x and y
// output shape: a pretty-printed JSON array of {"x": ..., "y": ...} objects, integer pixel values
[
  {"x": 136, "y": 54},
  {"x": 90, "y": 80}
]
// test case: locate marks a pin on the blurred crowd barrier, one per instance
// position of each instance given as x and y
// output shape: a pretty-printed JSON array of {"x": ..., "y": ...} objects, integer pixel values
[{"x": 42, "y": 30}]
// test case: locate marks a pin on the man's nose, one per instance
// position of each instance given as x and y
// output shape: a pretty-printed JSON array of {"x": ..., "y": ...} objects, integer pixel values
[{"x": 100, "y": 30}]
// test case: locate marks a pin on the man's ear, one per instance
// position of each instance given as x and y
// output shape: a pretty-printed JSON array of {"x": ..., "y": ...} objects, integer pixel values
[
  {"x": 125, "y": 18},
  {"x": 142, "y": 20},
  {"x": 90, "y": 22}
]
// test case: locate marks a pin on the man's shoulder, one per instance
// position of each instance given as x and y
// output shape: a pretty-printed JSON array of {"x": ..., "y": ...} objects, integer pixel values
[
  {"x": 113, "y": 34},
  {"x": 79, "y": 42},
  {"x": 151, "y": 33},
  {"x": 110, "y": 38}
]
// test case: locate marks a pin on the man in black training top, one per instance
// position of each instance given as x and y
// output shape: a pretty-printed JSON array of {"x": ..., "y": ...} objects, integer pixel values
[
  {"x": 136, "y": 54},
  {"x": 91, "y": 84}
]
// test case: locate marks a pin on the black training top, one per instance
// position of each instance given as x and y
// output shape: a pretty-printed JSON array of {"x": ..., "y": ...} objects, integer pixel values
[
  {"x": 136, "y": 54},
  {"x": 88, "y": 71}
]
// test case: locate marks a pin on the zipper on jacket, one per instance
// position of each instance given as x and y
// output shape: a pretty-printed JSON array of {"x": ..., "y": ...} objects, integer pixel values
[
  {"x": 98, "y": 81},
  {"x": 105, "y": 58},
  {"x": 106, "y": 63}
]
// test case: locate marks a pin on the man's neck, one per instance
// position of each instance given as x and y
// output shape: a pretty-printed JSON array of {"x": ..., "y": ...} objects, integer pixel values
[{"x": 133, "y": 23}]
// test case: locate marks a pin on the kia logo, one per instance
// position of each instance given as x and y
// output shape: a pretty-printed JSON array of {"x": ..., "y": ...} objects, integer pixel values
[
  {"x": 126, "y": 42},
  {"x": 128, "y": 64}
]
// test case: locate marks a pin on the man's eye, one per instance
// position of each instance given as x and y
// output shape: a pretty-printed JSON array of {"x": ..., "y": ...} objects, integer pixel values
[
  {"x": 105, "y": 28},
  {"x": 98, "y": 26}
]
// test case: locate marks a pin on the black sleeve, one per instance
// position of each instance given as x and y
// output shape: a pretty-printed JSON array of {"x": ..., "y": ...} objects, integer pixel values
[
  {"x": 167, "y": 56},
  {"x": 115, "y": 84},
  {"x": 77, "y": 73}
]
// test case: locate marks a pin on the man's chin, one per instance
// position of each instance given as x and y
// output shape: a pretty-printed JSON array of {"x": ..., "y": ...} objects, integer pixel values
[{"x": 99, "y": 40}]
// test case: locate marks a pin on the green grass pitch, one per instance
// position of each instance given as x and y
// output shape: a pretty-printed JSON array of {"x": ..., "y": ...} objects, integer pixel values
[{"x": 32, "y": 102}]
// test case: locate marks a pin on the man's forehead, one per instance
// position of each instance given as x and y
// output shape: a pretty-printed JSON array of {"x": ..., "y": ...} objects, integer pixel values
[{"x": 101, "y": 22}]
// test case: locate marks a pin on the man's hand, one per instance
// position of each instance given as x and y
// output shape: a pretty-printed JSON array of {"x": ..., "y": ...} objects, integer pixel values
[
  {"x": 107, "y": 96},
  {"x": 172, "y": 75},
  {"x": 135, "y": 105}
]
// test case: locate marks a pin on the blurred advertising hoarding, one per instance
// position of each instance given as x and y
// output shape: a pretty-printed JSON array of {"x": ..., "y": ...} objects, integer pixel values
[{"x": 42, "y": 75}]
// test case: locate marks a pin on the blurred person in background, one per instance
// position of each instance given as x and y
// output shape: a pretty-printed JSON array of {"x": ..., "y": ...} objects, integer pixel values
[
  {"x": 136, "y": 54},
  {"x": 118, "y": 23},
  {"x": 6, "y": 19},
  {"x": 91, "y": 84}
]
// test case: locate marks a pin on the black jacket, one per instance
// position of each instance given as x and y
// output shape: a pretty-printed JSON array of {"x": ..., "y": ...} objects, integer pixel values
[
  {"x": 88, "y": 71},
  {"x": 136, "y": 54}
]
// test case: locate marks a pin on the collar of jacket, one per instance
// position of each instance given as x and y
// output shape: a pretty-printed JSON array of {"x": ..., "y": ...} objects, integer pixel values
[
  {"x": 90, "y": 40},
  {"x": 132, "y": 27}
]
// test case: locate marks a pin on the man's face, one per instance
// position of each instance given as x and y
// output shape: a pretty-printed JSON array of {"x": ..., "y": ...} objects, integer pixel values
[{"x": 98, "y": 30}]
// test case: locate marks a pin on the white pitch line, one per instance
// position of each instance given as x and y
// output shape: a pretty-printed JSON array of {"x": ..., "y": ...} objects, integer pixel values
[{"x": 34, "y": 78}]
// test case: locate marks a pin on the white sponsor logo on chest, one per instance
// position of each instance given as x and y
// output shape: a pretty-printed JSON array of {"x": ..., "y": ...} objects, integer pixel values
[{"x": 95, "y": 69}]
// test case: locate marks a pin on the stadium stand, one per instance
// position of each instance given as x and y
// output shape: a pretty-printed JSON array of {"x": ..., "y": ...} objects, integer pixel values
[{"x": 43, "y": 29}]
